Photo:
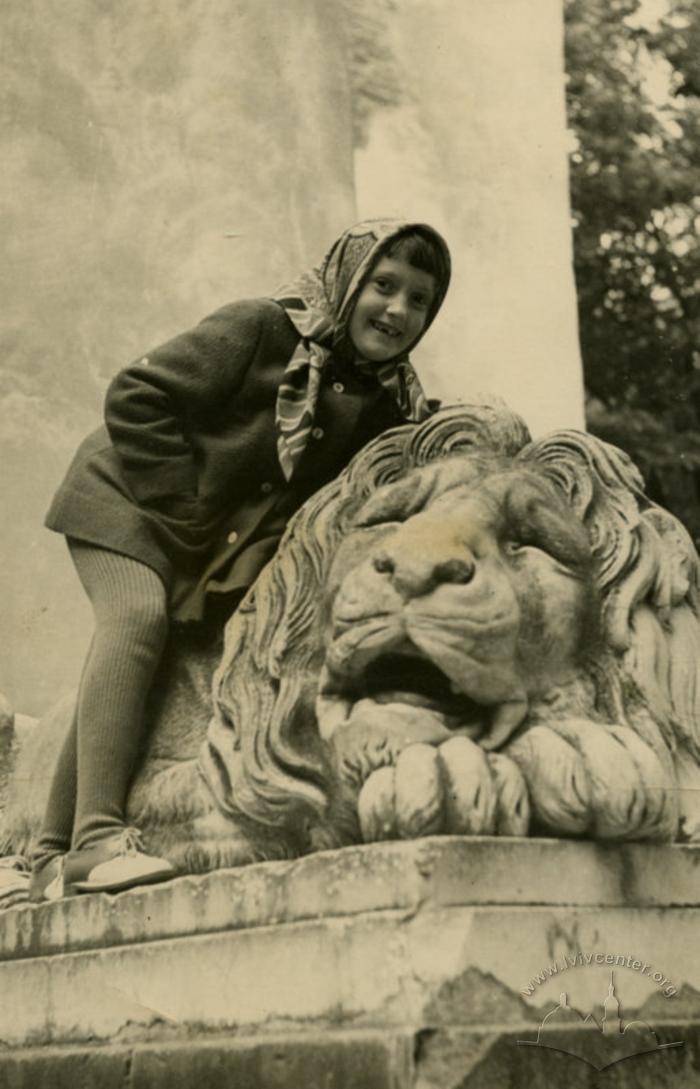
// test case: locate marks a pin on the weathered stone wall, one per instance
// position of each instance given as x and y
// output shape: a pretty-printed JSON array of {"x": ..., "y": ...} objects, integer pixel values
[
  {"x": 469, "y": 132},
  {"x": 159, "y": 160}
]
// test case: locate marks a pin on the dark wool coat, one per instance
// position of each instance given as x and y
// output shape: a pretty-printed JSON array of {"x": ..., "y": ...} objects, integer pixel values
[{"x": 185, "y": 477}]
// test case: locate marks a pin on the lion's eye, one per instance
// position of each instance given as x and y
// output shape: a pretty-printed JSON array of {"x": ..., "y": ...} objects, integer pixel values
[
  {"x": 520, "y": 548},
  {"x": 374, "y": 522},
  {"x": 511, "y": 548}
]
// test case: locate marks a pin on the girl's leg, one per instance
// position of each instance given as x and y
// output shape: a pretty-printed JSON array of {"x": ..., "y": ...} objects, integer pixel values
[
  {"x": 89, "y": 789},
  {"x": 129, "y": 603},
  {"x": 57, "y": 828},
  {"x": 56, "y": 833}
]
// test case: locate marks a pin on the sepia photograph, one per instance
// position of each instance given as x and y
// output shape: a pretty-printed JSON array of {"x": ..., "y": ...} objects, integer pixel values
[{"x": 350, "y": 433}]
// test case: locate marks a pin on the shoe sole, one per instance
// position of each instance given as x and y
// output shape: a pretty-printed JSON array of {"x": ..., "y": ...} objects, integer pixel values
[{"x": 117, "y": 886}]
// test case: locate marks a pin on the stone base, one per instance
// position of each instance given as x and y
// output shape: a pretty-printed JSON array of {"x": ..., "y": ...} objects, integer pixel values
[
  {"x": 349, "y": 1060},
  {"x": 427, "y": 1059},
  {"x": 435, "y": 963}
]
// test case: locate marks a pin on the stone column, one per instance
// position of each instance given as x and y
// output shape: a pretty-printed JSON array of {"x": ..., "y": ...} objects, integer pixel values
[
  {"x": 159, "y": 160},
  {"x": 473, "y": 137}
]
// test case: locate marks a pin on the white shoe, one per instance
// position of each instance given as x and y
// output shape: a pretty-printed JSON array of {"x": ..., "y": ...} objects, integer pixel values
[{"x": 115, "y": 863}]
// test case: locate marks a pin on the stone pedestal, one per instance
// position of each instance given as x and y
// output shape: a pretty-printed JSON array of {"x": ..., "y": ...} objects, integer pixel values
[{"x": 429, "y": 964}]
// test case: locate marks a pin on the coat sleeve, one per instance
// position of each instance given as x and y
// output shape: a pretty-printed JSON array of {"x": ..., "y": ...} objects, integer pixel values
[{"x": 153, "y": 405}]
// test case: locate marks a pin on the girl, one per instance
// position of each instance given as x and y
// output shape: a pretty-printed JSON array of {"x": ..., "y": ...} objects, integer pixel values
[{"x": 211, "y": 442}]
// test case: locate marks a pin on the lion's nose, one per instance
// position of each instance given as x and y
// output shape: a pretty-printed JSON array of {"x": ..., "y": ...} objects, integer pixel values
[{"x": 413, "y": 575}]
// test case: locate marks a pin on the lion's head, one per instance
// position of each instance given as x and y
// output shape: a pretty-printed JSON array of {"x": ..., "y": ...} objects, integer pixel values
[
  {"x": 465, "y": 588},
  {"x": 466, "y": 632}
]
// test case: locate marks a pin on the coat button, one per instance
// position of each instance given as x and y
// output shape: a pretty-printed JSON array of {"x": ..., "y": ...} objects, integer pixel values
[
  {"x": 338, "y": 387},
  {"x": 317, "y": 433},
  {"x": 145, "y": 361},
  {"x": 266, "y": 487},
  {"x": 232, "y": 537}
]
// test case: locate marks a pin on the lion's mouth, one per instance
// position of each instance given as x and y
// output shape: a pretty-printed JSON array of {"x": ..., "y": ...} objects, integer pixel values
[
  {"x": 400, "y": 678},
  {"x": 403, "y": 678}
]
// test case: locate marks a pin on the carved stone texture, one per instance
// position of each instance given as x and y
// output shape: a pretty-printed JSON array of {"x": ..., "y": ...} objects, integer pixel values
[{"x": 466, "y": 633}]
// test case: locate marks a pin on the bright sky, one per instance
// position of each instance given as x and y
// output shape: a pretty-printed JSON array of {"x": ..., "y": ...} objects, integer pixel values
[
  {"x": 656, "y": 72},
  {"x": 650, "y": 11}
]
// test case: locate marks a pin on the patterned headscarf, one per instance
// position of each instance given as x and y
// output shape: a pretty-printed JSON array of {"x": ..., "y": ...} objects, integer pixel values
[{"x": 320, "y": 304}]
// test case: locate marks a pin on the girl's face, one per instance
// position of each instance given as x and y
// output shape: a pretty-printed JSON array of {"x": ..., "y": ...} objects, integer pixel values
[{"x": 391, "y": 309}]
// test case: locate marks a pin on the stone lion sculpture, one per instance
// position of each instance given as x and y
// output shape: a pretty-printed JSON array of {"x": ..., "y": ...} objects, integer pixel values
[{"x": 468, "y": 632}]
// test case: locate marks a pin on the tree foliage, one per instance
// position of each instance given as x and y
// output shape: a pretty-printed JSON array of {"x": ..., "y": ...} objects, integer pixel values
[{"x": 634, "y": 111}]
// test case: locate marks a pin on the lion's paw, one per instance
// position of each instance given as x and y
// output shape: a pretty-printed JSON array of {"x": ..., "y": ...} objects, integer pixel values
[
  {"x": 585, "y": 778},
  {"x": 453, "y": 788}
]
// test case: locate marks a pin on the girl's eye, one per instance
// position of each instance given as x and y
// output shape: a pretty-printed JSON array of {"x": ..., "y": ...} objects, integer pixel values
[
  {"x": 421, "y": 301},
  {"x": 382, "y": 283}
]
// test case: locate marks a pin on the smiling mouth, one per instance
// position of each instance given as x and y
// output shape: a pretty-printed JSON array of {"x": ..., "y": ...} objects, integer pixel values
[
  {"x": 400, "y": 678},
  {"x": 386, "y": 330}
]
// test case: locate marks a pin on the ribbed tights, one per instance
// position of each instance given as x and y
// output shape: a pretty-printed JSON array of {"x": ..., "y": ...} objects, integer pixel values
[{"x": 90, "y": 783}]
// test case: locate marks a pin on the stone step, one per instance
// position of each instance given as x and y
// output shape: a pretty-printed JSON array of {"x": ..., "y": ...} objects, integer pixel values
[
  {"x": 444, "y": 871},
  {"x": 332, "y": 1060},
  {"x": 450, "y": 948},
  {"x": 487, "y": 1057}
]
